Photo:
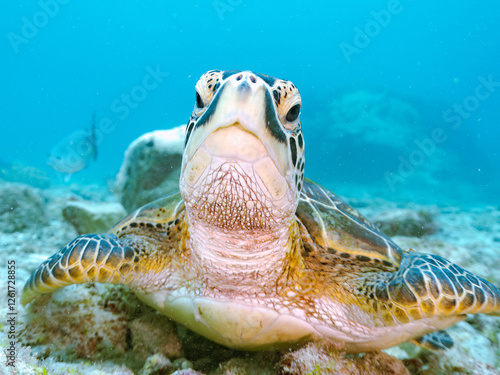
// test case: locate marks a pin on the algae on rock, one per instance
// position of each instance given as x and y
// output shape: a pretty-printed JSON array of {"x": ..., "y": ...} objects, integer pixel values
[
  {"x": 98, "y": 322},
  {"x": 319, "y": 359}
]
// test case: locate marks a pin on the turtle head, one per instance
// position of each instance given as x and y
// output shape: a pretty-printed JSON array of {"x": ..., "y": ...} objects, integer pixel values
[{"x": 243, "y": 161}]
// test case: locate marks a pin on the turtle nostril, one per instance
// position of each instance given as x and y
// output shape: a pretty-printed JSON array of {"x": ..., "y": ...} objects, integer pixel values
[
  {"x": 239, "y": 77},
  {"x": 252, "y": 78},
  {"x": 244, "y": 87}
]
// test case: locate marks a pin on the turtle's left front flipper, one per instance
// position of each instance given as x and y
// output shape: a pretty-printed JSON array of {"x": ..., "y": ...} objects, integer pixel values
[
  {"x": 443, "y": 288},
  {"x": 92, "y": 257}
]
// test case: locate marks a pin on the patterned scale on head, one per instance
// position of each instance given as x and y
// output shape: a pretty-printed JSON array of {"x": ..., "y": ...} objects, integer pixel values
[{"x": 251, "y": 255}]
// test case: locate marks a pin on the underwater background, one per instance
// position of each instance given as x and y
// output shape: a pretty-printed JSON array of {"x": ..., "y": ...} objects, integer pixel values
[
  {"x": 379, "y": 80},
  {"x": 401, "y": 117}
]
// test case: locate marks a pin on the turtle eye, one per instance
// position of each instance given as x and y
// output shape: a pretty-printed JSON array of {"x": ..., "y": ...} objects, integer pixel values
[
  {"x": 293, "y": 113},
  {"x": 199, "y": 101}
]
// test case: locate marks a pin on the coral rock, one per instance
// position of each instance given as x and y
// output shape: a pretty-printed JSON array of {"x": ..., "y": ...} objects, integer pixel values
[
  {"x": 93, "y": 217},
  {"x": 156, "y": 365},
  {"x": 405, "y": 222},
  {"x": 251, "y": 364},
  {"x": 155, "y": 333},
  {"x": 188, "y": 371},
  {"x": 370, "y": 116},
  {"x": 318, "y": 359},
  {"x": 21, "y": 207},
  {"x": 79, "y": 320},
  {"x": 151, "y": 167},
  {"x": 25, "y": 174}
]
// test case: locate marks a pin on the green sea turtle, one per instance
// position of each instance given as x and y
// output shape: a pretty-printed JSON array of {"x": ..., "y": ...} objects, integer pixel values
[{"x": 251, "y": 255}]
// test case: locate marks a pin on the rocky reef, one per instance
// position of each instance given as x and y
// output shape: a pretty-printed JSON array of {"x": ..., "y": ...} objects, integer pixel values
[
  {"x": 92, "y": 217},
  {"x": 24, "y": 174},
  {"x": 321, "y": 358},
  {"x": 405, "y": 222},
  {"x": 367, "y": 117},
  {"x": 19, "y": 202},
  {"x": 393, "y": 146}
]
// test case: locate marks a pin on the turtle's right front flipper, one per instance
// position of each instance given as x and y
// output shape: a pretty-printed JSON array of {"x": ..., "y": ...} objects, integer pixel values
[{"x": 92, "y": 257}]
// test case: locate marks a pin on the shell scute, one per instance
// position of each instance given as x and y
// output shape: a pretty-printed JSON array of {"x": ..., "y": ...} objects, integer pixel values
[
  {"x": 152, "y": 216},
  {"x": 335, "y": 225}
]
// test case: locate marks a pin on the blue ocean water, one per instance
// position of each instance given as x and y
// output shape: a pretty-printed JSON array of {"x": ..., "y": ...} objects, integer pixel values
[{"x": 401, "y": 99}]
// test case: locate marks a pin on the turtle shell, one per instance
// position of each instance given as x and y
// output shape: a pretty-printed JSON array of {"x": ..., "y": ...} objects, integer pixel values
[
  {"x": 159, "y": 214},
  {"x": 338, "y": 228}
]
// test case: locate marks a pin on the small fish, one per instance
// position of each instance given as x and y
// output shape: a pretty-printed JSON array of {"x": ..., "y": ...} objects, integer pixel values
[{"x": 74, "y": 152}]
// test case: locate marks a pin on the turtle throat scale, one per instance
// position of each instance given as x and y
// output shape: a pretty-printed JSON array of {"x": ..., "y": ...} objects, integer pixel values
[{"x": 240, "y": 211}]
